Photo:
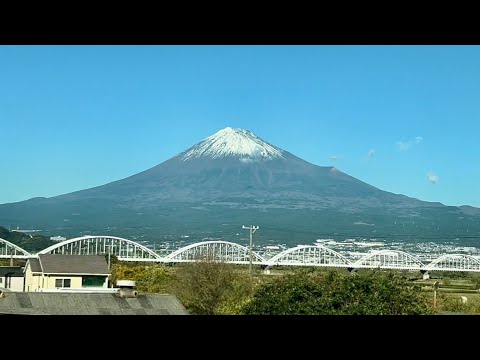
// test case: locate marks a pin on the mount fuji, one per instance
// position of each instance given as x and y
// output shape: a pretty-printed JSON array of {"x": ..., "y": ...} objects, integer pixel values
[{"x": 231, "y": 178}]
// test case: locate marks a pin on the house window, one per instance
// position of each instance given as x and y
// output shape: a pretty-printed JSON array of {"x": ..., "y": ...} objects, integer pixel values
[
  {"x": 1, "y": 280},
  {"x": 93, "y": 281},
  {"x": 62, "y": 283}
]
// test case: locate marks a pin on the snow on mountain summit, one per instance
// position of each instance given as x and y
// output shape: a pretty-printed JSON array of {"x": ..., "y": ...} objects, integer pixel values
[{"x": 233, "y": 142}]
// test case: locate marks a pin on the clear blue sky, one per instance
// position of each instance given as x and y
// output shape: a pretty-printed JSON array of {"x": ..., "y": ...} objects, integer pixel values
[{"x": 405, "y": 119}]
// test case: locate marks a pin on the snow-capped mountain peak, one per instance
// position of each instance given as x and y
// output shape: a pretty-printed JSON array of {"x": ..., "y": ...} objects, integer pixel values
[{"x": 233, "y": 142}]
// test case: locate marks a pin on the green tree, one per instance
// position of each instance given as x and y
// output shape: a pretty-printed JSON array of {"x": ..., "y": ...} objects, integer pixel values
[
  {"x": 475, "y": 282},
  {"x": 238, "y": 294},
  {"x": 155, "y": 279},
  {"x": 208, "y": 287},
  {"x": 148, "y": 278},
  {"x": 310, "y": 292}
]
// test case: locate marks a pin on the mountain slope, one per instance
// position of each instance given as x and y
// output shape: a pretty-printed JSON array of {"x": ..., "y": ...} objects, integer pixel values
[{"x": 233, "y": 177}]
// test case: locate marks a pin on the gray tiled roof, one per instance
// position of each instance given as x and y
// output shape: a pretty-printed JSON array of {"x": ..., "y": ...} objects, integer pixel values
[
  {"x": 14, "y": 271},
  {"x": 73, "y": 264},
  {"x": 89, "y": 304},
  {"x": 35, "y": 265}
]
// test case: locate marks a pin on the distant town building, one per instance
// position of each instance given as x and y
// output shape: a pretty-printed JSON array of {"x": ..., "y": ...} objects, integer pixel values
[
  {"x": 58, "y": 238},
  {"x": 25, "y": 231},
  {"x": 49, "y": 272}
]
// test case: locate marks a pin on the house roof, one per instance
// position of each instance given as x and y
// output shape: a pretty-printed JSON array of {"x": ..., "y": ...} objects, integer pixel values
[
  {"x": 13, "y": 271},
  {"x": 35, "y": 265},
  {"x": 44, "y": 303},
  {"x": 72, "y": 264}
]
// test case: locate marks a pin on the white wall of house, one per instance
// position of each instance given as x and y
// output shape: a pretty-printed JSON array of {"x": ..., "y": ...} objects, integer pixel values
[
  {"x": 13, "y": 283},
  {"x": 40, "y": 281}
]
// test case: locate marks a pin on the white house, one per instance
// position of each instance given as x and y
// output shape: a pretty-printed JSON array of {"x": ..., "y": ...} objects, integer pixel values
[{"x": 50, "y": 272}]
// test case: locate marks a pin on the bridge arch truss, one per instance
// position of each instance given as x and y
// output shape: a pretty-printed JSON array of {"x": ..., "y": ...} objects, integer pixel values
[
  {"x": 215, "y": 250},
  {"x": 9, "y": 250},
  {"x": 309, "y": 255},
  {"x": 123, "y": 249},
  {"x": 454, "y": 262},
  {"x": 389, "y": 259}
]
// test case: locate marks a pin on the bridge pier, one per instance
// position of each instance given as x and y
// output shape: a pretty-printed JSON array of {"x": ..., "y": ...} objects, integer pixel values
[
  {"x": 352, "y": 270},
  {"x": 266, "y": 269},
  {"x": 426, "y": 274}
]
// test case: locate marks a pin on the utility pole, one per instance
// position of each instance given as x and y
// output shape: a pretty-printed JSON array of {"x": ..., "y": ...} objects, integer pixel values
[
  {"x": 109, "y": 248},
  {"x": 435, "y": 287},
  {"x": 252, "y": 229}
]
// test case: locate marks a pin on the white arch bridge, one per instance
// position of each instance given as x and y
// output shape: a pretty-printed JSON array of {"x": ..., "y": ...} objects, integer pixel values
[
  {"x": 302, "y": 255},
  {"x": 9, "y": 250}
]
